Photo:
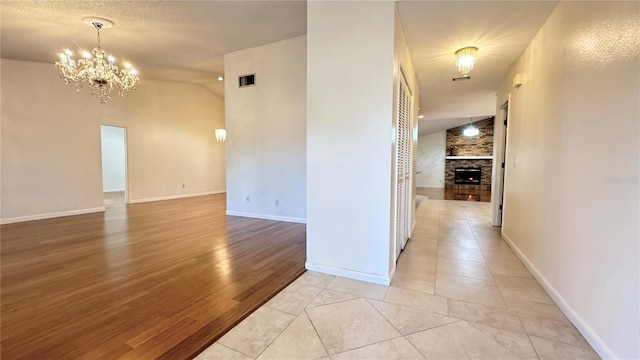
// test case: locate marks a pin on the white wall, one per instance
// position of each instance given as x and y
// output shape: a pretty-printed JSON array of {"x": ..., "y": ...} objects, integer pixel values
[
  {"x": 113, "y": 158},
  {"x": 431, "y": 162},
  {"x": 350, "y": 47},
  {"x": 266, "y": 131},
  {"x": 571, "y": 197},
  {"x": 51, "y": 142}
]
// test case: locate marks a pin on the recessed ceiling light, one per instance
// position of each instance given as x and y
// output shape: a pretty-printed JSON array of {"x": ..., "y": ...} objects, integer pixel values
[
  {"x": 220, "y": 78},
  {"x": 420, "y": 116}
]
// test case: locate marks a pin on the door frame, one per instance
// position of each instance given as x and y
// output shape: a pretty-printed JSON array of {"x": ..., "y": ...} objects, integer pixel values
[
  {"x": 500, "y": 152},
  {"x": 126, "y": 161}
]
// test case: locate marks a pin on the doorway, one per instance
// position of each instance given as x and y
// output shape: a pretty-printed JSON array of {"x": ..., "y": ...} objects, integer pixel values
[
  {"x": 114, "y": 164},
  {"x": 502, "y": 165}
]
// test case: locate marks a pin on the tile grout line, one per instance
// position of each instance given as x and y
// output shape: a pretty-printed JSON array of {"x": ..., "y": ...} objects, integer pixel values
[
  {"x": 224, "y": 346},
  {"x": 533, "y": 346},
  {"x": 384, "y": 317},
  {"x": 337, "y": 302},
  {"x": 435, "y": 327},
  {"x": 492, "y": 339},
  {"x": 375, "y": 343},
  {"x": 435, "y": 278},
  {"x": 279, "y": 333},
  {"x": 317, "y": 333},
  {"x": 492, "y": 274}
]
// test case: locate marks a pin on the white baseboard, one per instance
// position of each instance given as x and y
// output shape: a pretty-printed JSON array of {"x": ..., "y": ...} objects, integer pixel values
[
  {"x": 589, "y": 334},
  {"x": 172, "y": 197},
  {"x": 113, "y": 190},
  {"x": 267, "y": 217},
  {"x": 50, "y": 215},
  {"x": 351, "y": 274}
]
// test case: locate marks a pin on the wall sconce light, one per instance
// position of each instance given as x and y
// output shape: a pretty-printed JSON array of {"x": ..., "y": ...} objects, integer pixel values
[
  {"x": 465, "y": 59},
  {"x": 221, "y": 135}
]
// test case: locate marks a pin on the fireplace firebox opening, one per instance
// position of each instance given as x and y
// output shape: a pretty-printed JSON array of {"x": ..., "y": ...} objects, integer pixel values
[{"x": 468, "y": 175}]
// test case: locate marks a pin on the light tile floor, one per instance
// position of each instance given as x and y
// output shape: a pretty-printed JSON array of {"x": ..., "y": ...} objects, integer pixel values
[{"x": 459, "y": 293}]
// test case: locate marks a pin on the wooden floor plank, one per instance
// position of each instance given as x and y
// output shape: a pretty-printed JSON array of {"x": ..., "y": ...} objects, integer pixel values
[{"x": 162, "y": 279}]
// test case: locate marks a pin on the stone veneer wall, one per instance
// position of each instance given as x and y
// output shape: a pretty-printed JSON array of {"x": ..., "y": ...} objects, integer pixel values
[{"x": 481, "y": 145}]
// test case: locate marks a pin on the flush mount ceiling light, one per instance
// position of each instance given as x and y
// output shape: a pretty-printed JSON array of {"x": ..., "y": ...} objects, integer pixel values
[
  {"x": 220, "y": 78},
  {"x": 97, "y": 69},
  {"x": 470, "y": 130},
  {"x": 465, "y": 59},
  {"x": 221, "y": 135},
  {"x": 420, "y": 116}
]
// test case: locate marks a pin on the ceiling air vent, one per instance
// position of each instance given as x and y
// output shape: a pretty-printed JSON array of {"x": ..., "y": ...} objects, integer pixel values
[
  {"x": 247, "y": 80},
  {"x": 461, "y": 78}
]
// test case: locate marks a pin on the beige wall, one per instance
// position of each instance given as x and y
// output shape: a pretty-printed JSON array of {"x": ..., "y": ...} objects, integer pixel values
[
  {"x": 51, "y": 154},
  {"x": 352, "y": 72},
  {"x": 571, "y": 199},
  {"x": 266, "y": 131},
  {"x": 431, "y": 162},
  {"x": 349, "y": 126}
]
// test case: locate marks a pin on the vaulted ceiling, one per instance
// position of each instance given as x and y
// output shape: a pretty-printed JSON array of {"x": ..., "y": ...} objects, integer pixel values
[
  {"x": 165, "y": 40},
  {"x": 436, "y": 29},
  {"x": 186, "y": 40}
]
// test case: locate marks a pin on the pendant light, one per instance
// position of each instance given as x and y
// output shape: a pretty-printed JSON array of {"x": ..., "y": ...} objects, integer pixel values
[{"x": 471, "y": 130}]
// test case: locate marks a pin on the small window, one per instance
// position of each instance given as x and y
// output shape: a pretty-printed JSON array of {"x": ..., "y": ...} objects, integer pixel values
[{"x": 247, "y": 80}]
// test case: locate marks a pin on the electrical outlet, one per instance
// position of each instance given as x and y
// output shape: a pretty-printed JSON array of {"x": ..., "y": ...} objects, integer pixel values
[
  {"x": 183, "y": 186},
  {"x": 248, "y": 199}
]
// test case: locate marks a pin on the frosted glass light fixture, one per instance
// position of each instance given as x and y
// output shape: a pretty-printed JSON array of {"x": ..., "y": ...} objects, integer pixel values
[
  {"x": 471, "y": 130},
  {"x": 97, "y": 68},
  {"x": 465, "y": 59},
  {"x": 221, "y": 135}
]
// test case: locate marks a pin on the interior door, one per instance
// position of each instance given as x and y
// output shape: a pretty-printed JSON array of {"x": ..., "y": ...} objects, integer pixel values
[{"x": 403, "y": 166}]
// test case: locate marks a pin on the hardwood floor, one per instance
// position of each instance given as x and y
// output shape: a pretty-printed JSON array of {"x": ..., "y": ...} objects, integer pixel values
[{"x": 144, "y": 281}]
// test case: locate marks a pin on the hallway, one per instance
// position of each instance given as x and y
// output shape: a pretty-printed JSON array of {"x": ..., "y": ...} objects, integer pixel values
[{"x": 459, "y": 292}]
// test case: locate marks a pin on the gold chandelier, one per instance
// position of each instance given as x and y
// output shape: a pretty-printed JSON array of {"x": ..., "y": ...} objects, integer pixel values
[
  {"x": 97, "y": 69},
  {"x": 465, "y": 59}
]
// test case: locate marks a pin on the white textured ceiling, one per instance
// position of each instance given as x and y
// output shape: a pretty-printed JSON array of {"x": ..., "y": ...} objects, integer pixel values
[
  {"x": 186, "y": 40},
  {"x": 165, "y": 40},
  {"x": 436, "y": 29}
]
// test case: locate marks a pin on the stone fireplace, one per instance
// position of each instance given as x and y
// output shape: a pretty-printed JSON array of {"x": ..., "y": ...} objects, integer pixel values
[{"x": 469, "y": 161}]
